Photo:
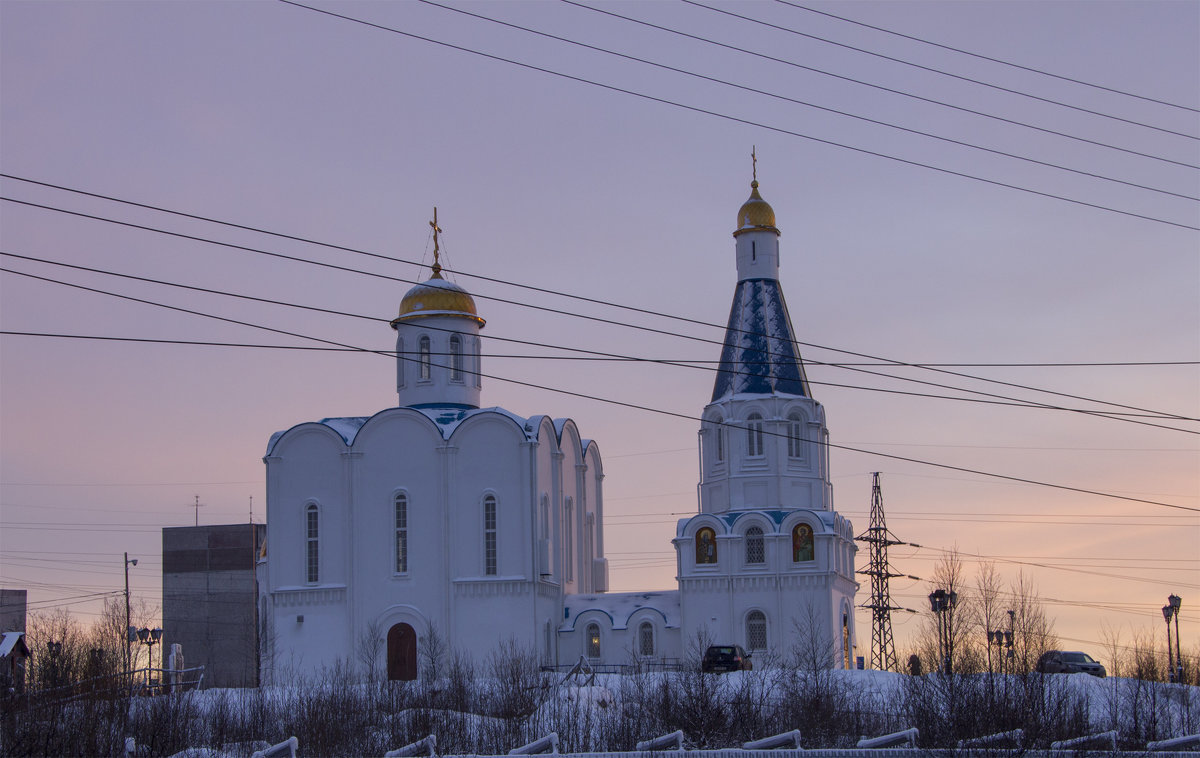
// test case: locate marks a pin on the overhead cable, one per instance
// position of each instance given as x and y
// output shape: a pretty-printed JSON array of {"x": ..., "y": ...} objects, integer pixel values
[
  {"x": 748, "y": 122},
  {"x": 542, "y": 290},
  {"x": 989, "y": 58}
]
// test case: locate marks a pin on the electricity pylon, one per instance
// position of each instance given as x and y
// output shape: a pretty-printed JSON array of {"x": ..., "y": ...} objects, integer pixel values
[{"x": 883, "y": 647}]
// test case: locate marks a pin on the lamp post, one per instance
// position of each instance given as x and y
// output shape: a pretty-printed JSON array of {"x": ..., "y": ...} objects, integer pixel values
[
  {"x": 1167, "y": 612},
  {"x": 941, "y": 602},
  {"x": 1175, "y": 601},
  {"x": 150, "y": 638},
  {"x": 128, "y": 637}
]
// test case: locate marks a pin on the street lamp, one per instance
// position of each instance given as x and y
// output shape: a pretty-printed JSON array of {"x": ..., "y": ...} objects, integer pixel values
[
  {"x": 1167, "y": 612},
  {"x": 150, "y": 638},
  {"x": 940, "y": 602},
  {"x": 128, "y": 627},
  {"x": 1175, "y": 601}
]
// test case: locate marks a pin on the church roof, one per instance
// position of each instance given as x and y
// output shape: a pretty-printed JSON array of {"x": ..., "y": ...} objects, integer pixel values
[
  {"x": 621, "y": 606},
  {"x": 446, "y": 418},
  {"x": 760, "y": 356}
]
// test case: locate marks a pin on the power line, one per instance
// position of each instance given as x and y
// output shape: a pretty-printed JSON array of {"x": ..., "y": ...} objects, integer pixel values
[
  {"x": 1002, "y": 62},
  {"x": 748, "y": 122},
  {"x": 890, "y": 90},
  {"x": 939, "y": 71},
  {"x": 673, "y": 414},
  {"x": 561, "y": 311},
  {"x": 797, "y": 101}
]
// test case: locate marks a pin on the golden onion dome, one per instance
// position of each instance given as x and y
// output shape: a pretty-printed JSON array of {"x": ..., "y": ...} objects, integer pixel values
[
  {"x": 755, "y": 214},
  {"x": 437, "y": 297}
]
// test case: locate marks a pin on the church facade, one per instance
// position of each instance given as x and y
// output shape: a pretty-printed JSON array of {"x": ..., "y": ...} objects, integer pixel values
[{"x": 443, "y": 520}]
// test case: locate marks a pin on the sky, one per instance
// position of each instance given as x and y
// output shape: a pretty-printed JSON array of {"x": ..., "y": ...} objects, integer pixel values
[{"x": 1026, "y": 228}]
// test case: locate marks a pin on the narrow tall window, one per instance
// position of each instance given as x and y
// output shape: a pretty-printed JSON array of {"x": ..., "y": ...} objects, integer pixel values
[
  {"x": 593, "y": 641},
  {"x": 402, "y": 364},
  {"x": 646, "y": 639},
  {"x": 720, "y": 433},
  {"x": 456, "y": 358},
  {"x": 803, "y": 548},
  {"x": 312, "y": 530},
  {"x": 756, "y": 630},
  {"x": 423, "y": 350},
  {"x": 489, "y": 535},
  {"x": 401, "y": 533},
  {"x": 754, "y": 546},
  {"x": 706, "y": 545},
  {"x": 569, "y": 539},
  {"x": 794, "y": 449},
  {"x": 478, "y": 364},
  {"x": 754, "y": 435}
]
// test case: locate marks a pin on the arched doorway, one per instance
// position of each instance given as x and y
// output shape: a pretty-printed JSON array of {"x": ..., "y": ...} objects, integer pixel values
[{"x": 402, "y": 653}]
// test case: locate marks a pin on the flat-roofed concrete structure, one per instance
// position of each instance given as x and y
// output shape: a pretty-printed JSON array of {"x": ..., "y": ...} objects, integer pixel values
[
  {"x": 12, "y": 610},
  {"x": 209, "y": 597}
]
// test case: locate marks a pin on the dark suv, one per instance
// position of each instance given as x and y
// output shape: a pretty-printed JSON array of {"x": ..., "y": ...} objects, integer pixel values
[
  {"x": 726, "y": 658},
  {"x": 1069, "y": 662}
]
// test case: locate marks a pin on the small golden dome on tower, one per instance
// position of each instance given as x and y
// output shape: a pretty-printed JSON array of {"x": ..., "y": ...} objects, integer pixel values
[
  {"x": 755, "y": 214},
  {"x": 437, "y": 297}
]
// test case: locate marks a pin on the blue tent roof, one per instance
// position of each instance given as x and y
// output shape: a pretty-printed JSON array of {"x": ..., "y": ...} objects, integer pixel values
[{"x": 760, "y": 356}]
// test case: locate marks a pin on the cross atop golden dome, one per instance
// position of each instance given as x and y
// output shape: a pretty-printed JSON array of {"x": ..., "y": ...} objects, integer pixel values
[
  {"x": 755, "y": 214},
  {"x": 436, "y": 296}
]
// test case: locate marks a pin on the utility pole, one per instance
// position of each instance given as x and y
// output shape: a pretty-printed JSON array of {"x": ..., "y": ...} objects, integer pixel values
[
  {"x": 128, "y": 562},
  {"x": 197, "y": 505},
  {"x": 883, "y": 647}
]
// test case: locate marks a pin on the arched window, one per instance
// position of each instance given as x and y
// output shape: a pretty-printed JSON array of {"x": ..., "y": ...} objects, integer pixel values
[
  {"x": 478, "y": 364},
  {"x": 646, "y": 639},
  {"x": 593, "y": 641},
  {"x": 754, "y": 435},
  {"x": 755, "y": 552},
  {"x": 423, "y": 356},
  {"x": 402, "y": 364},
  {"x": 756, "y": 630},
  {"x": 312, "y": 543},
  {"x": 456, "y": 358},
  {"x": 569, "y": 539},
  {"x": 719, "y": 437},
  {"x": 802, "y": 543},
  {"x": 706, "y": 545},
  {"x": 794, "y": 429},
  {"x": 401, "y": 533},
  {"x": 489, "y": 535},
  {"x": 846, "y": 641}
]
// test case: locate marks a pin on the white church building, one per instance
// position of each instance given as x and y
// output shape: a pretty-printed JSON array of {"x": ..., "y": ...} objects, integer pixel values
[{"x": 477, "y": 525}]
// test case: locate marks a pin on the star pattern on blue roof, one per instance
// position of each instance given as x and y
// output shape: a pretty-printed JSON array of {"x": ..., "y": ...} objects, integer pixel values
[{"x": 760, "y": 356}]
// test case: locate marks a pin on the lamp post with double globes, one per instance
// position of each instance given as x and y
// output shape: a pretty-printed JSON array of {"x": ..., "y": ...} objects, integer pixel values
[{"x": 1175, "y": 601}]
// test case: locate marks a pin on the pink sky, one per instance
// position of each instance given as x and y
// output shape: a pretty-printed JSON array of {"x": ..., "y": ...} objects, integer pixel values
[{"x": 280, "y": 118}]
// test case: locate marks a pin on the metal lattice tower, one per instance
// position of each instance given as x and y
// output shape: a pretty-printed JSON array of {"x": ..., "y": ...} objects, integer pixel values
[{"x": 883, "y": 647}]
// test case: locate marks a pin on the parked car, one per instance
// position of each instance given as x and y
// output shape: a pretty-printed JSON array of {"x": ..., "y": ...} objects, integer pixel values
[
  {"x": 723, "y": 658},
  {"x": 1069, "y": 662}
]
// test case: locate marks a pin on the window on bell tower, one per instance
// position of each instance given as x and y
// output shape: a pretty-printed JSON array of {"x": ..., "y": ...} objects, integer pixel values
[
  {"x": 456, "y": 358},
  {"x": 754, "y": 435},
  {"x": 424, "y": 357}
]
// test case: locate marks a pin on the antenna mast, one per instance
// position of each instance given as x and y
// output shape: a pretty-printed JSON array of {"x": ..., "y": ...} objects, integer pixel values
[{"x": 883, "y": 647}]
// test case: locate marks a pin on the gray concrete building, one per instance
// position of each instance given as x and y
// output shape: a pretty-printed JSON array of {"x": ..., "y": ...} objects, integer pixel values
[
  {"x": 209, "y": 599},
  {"x": 12, "y": 610}
]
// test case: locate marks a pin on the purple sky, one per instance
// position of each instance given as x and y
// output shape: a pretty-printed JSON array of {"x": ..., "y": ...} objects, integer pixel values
[{"x": 284, "y": 119}]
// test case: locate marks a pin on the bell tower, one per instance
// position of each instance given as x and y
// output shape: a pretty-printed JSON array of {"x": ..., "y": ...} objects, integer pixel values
[{"x": 437, "y": 342}]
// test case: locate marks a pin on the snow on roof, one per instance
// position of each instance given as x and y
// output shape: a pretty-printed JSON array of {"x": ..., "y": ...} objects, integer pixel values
[
  {"x": 828, "y": 519},
  {"x": 446, "y": 418},
  {"x": 620, "y": 606},
  {"x": 760, "y": 355},
  {"x": 11, "y": 641}
]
